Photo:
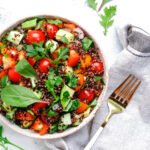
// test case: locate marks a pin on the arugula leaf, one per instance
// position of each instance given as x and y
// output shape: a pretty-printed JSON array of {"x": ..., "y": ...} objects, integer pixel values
[
  {"x": 4, "y": 141},
  {"x": 18, "y": 96},
  {"x": 5, "y": 81},
  {"x": 64, "y": 40},
  {"x": 56, "y": 22},
  {"x": 97, "y": 78},
  {"x": 25, "y": 69},
  {"x": 86, "y": 43},
  {"x": 92, "y": 4},
  {"x": 51, "y": 113},
  {"x": 107, "y": 18},
  {"x": 62, "y": 55}
]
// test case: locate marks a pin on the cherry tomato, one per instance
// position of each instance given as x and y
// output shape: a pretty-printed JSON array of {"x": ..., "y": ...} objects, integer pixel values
[
  {"x": 44, "y": 65},
  {"x": 73, "y": 58},
  {"x": 3, "y": 73},
  {"x": 35, "y": 36},
  {"x": 14, "y": 76},
  {"x": 31, "y": 61},
  {"x": 82, "y": 107},
  {"x": 23, "y": 115},
  {"x": 1, "y": 59},
  {"x": 13, "y": 53},
  {"x": 86, "y": 95},
  {"x": 97, "y": 67},
  {"x": 51, "y": 30},
  {"x": 37, "y": 106}
]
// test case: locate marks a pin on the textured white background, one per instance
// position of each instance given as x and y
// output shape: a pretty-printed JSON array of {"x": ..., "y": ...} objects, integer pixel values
[{"x": 129, "y": 11}]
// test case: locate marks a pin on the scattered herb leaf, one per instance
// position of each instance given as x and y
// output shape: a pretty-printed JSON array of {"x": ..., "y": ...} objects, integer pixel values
[
  {"x": 5, "y": 81},
  {"x": 92, "y": 4},
  {"x": 56, "y": 22},
  {"x": 64, "y": 40},
  {"x": 86, "y": 43},
  {"x": 51, "y": 113},
  {"x": 98, "y": 78}
]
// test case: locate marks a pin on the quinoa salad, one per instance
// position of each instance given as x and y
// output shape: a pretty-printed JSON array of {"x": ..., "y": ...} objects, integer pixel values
[{"x": 51, "y": 75}]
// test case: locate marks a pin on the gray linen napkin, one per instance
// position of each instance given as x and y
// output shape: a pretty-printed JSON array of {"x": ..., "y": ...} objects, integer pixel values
[{"x": 130, "y": 129}]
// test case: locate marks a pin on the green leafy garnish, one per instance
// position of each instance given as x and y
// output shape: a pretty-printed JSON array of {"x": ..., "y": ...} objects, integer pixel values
[
  {"x": 62, "y": 55},
  {"x": 51, "y": 113},
  {"x": 73, "y": 105},
  {"x": 5, "y": 81},
  {"x": 18, "y": 96},
  {"x": 53, "y": 128},
  {"x": 98, "y": 78},
  {"x": 4, "y": 141},
  {"x": 25, "y": 69},
  {"x": 64, "y": 40},
  {"x": 72, "y": 81},
  {"x": 92, "y": 4},
  {"x": 56, "y": 22},
  {"x": 107, "y": 18},
  {"x": 93, "y": 103},
  {"x": 58, "y": 80},
  {"x": 86, "y": 43}
]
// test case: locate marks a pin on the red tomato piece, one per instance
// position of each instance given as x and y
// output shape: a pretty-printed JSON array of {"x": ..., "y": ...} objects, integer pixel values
[
  {"x": 44, "y": 65},
  {"x": 31, "y": 61},
  {"x": 73, "y": 58},
  {"x": 37, "y": 106},
  {"x": 97, "y": 67},
  {"x": 86, "y": 95},
  {"x": 23, "y": 115},
  {"x": 51, "y": 30},
  {"x": 13, "y": 53},
  {"x": 40, "y": 127},
  {"x": 36, "y": 36},
  {"x": 1, "y": 59},
  {"x": 82, "y": 107},
  {"x": 14, "y": 76},
  {"x": 3, "y": 73}
]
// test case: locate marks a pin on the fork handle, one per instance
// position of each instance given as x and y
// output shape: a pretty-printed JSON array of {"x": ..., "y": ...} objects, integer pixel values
[{"x": 94, "y": 138}]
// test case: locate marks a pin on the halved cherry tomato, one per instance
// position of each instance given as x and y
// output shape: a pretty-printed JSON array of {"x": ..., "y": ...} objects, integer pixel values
[
  {"x": 51, "y": 30},
  {"x": 81, "y": 82},
  {"x": 86, "y": 61},
  {"x": 40, "y": 127},
  {"x": 37, "y": 106},
  {"x": 73, "y": 58},
  {"x": 31, "y": 61},
  {"x": 44, "y": 65},
  {"x": 14, "y": 76},
  {"x": 97, "y": 67},
  {"x": 35, "y": 36},
  {"x": 3, "y": 73},
  {"x": 13, "y": 53},
  {"x": 70, "y": 25},
  {"x": 86, "y": 95},
  {"x": 83, "y": 107},
  {"x": 8, "y": 62},
  {"x": 1, "y": 59},
  {"x": 23, "y": 115}
]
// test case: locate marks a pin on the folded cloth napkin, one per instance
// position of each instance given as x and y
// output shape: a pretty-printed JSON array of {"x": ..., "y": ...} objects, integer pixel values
[{"x": 130, "y": 129}]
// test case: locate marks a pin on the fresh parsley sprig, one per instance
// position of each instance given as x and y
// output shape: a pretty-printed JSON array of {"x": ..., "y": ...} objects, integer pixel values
[
  {"x": 4, "y": 141},
  {"x": 107, "y": 18},
  {"x": 92, "y": 4}
]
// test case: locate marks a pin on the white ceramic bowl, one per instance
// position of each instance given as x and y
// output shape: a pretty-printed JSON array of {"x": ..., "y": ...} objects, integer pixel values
[{"x": 71, "y": 130}]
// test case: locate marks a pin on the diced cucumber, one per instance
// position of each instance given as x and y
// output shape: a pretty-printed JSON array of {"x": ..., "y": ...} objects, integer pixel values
[
  {"x": 63, "y": 33},
  {"x": 51, "y": 45},
  {"x": 15, "y": 37},
  {"x": 39, "y": 24},
  {"x": 66, "y": 119},
  {"x": 69, "y": 69},
  {"x": 29, "y": 23},
  {"x": 66, "y": 89},
  {"x": 77, "y": 118}
]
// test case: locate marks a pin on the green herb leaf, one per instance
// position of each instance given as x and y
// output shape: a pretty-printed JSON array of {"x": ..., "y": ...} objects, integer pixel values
[
  {"x": 86, "y": 43},
  {"x": 65, "y": 100},
  {"x": 51, "y": 113},
  {"x": 98, "y": 78},
  {"x": 1, "y": 131},
  {"x": 72, "y": 81},
  {"x": 92, "y": 4},
  {"x": 5, "y": 81},
  {"x": 62, "y": 55},
  {"x": 56, "y": 22},
  {"x": 64, "y": 40},
  {"x": 53, "y": 128},
  {"x": 18, "y": 96},
  {"x": 25, "y": 69},
  {"x": 73, "y": 105},
  {"x": 107, "y": 18},
  {"x": 58, "y": 80},
  {"x": 93, "y": 103}
]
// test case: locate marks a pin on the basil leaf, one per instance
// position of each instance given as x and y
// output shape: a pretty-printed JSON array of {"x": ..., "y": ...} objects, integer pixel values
[
  {"x": 25, "y": 69},
  {"x": 86, "y": 43},
  {"x": 18, "y": 96},
  {"x": 56, "y": 22},
  {"x": 51, "y": 113}
]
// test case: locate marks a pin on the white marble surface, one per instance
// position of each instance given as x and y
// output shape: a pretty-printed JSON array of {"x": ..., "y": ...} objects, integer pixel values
[{"x": 132, "y": 12}]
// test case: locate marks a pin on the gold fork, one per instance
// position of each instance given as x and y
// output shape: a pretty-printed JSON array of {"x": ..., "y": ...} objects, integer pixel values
[{"x": 117, "y": 102}]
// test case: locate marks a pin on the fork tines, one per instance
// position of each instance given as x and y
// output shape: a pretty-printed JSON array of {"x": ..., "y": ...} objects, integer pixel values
[{"x": 123, "y": 94}]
